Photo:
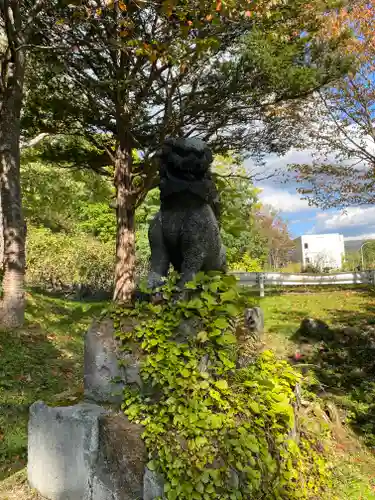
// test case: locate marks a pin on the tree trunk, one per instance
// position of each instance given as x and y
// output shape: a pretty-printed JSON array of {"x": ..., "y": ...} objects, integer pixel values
[
  {"x": 12, "y": 306},
  {"x": 1, "y": 239},
  {"x": 125, "y": 240}
]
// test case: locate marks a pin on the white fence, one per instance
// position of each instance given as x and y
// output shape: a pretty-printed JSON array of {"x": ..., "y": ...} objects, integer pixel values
[{"x": 261, "y": 280}]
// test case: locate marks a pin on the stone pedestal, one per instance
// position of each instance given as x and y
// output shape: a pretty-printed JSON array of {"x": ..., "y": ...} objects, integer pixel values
[
  {"x": 84, "y": 452},
  {"x": 61, "y": 448},
  {"x": 88, "y": 452}
]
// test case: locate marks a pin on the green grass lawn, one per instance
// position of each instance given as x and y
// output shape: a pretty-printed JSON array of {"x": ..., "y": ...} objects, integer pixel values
[
  {"x": 343, "y": 357},
  {"x": 344, "y": 367},
  {"x": 39, "y": 362},
  {"x": 285, "y": 311},
  {"x": 44, "y": 360}
]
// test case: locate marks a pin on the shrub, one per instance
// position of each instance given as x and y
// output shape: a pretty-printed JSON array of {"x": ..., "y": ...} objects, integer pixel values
[
  {"x": 312, "y": 269},
  {"x": 143, "y": 252},
  {"x": 247, "y": 264},
  {"x": 59, "y": 261},
  {"x": 292, "y": 267},
  {"x": 214, "y": 431}
]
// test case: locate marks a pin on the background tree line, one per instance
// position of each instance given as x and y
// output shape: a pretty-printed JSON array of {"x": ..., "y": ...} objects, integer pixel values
[{"x": 72, "y": 226}]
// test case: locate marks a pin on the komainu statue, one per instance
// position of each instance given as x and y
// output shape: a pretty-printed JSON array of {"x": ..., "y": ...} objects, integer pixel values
[{"x": 185, "y": 232}]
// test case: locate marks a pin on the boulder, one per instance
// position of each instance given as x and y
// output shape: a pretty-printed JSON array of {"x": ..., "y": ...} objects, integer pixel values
[
  {"x": 249, "y": 335},
  {"x": 254, "y": 322},
  {"x": 84, "y": 452},
  {"x": 315, "y": 329}
]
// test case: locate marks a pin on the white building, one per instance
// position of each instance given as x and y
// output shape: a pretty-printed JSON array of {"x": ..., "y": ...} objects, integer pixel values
[{"x": 320, "y": 250}]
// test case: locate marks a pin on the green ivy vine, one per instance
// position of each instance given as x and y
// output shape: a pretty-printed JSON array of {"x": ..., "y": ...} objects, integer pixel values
[{"x": 211, "y": 430}]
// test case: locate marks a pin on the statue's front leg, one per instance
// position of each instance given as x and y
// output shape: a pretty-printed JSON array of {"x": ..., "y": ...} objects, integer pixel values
[
  {"x": 192, "y": 264},
  {"x": 160, "y": 262}
]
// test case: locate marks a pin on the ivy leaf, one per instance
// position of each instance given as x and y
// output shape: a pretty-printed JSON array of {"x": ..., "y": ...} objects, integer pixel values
[
  {"x": 195, "y": 304},
  {"x": 221, "y": 322},
  {"x": 205, "y": 477},
  {"x": 226, "y": 339},
  {"x": 230, "y": 280},
  {"x": 222, "y": 385},
  {"x": 254, "y": 407},
  {"x": 199, "y": 487},
  {"x": 202, "y": 337},
  {"x": 232, "y": 309},
  {"x": 201, "y": 441},
  {"x": 216, "y": 421},
  {"x": 210, "y": 301},
  {"x": 213, "y": 287},
  {"x": 152, "y": 465},
  {"x": 229, "y": 296},
  {"x": 204, "y": 384}
]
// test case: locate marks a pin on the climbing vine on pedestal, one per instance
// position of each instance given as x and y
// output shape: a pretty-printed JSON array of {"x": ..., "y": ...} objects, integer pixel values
[{"x": 211, "y": 430}]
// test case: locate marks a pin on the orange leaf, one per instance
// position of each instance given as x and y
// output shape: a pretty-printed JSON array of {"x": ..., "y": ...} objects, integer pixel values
[
  {"x": 218, "y": 5},
  {"x": 122, "y": 6}
]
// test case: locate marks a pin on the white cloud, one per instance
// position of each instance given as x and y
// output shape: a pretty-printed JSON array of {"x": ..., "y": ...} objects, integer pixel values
[
  {"x": 284, "y": 201},
  {"x": 366, "y": 236},
  {"x": 276, "y": 165},
  {"x": 358, "y": 217}
]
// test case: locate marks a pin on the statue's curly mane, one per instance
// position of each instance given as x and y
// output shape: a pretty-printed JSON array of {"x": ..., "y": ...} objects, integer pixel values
[
  {"x": 185, "y": 176},
  {"x": 185, "y": 159}
]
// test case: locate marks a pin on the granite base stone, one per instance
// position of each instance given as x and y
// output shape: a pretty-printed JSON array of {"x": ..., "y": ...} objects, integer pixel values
[
  {"x": 84, "y": 452},
  {"x": 102, "y": 355}
]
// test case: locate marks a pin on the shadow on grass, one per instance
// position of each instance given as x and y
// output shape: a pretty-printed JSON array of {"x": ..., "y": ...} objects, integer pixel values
[
  {"x": 343, "y": 359},
  {"x": 39, "y": 361}
]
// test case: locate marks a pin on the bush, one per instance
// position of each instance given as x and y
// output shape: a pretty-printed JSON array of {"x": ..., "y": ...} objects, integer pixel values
[
  {"x": 58, "y": 261},
  {"x": 211, "y": 430},
  {"x": 247, "y": 264}
]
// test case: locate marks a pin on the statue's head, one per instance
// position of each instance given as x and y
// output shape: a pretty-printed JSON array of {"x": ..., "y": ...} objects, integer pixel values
[{"x": 185, "y": 159}]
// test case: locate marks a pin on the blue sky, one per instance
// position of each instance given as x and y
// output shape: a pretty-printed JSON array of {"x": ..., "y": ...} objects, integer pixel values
[{"x": 354, "y": 223}]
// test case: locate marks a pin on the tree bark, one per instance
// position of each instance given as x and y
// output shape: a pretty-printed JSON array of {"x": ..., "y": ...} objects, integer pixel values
[
  {"x": 125, "y": 240},
  {"x": 12, "y": 306},
  {"x": 1, "y": 240}
]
